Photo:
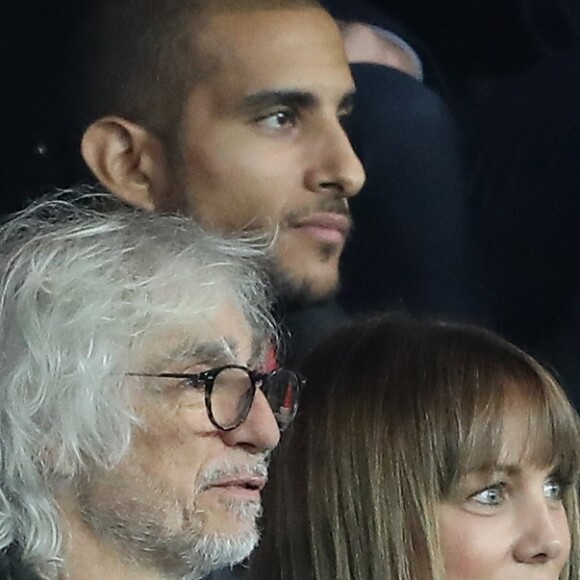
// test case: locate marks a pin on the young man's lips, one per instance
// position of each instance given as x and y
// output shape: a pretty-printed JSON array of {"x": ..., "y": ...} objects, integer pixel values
[{"x": 327, "y": 227}]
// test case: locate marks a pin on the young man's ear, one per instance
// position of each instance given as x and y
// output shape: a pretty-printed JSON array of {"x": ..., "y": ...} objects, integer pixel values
[{"x": 127, "y": 159}]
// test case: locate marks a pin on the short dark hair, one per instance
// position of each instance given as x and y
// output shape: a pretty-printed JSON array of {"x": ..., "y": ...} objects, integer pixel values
[{"x": 138, "y": 58}]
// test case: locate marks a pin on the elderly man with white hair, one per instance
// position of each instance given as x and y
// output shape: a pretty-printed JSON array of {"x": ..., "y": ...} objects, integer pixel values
[{"x": 136, "y": 416}]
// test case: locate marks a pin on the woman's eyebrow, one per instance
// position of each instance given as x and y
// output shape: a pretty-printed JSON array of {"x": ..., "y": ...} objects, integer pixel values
[
  {"x": 510, "y": 469},
  {"x": 507, "y": 469}
]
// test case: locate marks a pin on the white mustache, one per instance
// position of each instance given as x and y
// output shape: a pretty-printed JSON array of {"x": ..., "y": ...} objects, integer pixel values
[{"x": 226, "y": 471}]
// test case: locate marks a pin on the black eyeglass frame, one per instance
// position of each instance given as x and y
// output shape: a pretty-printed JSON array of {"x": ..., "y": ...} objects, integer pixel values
[{"x": 208, "y": 377}]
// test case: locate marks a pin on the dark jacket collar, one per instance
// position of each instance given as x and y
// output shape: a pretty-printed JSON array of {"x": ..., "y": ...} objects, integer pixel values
[{"x": 12, "y": 568}]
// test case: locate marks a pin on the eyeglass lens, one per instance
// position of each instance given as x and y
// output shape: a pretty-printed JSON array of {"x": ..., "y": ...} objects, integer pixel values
[
  {"x": 281, "y": 390},
  {"x": 232, "y": 396}
]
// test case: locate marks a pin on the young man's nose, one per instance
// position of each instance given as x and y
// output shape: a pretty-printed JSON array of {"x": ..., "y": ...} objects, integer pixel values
[
  {"x": 334, "y": 167},
  {"x": 259, "y": 432}
]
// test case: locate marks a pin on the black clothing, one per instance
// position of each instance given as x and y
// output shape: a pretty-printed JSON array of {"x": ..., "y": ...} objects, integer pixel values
[
  {"x": 306, "y": 327},
  {"x": 525, "y": 148},
  {"x": 412, "y": 247},
  {"x": 237, "y": 573},
  {"x": 487, "y": 37},
  {"x": 11, "y": 567}
]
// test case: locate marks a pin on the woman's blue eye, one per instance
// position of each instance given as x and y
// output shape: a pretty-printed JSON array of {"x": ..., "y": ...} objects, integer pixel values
[
  {"x": 490, "y": 496},
  {"x": 554, "y": 489}
]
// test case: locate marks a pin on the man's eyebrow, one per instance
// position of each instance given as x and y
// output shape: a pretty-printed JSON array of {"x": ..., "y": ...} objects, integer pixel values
[
  {"x": 218, "y": 352},
  {"x": 273, "y": 98}
]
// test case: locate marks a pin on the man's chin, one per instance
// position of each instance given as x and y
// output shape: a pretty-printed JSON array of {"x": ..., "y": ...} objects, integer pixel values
[
  {"x": 305, "y": 289},
  {"x": 233, "y": 528},
  {"x": 303, "y": 273},
  {"x": 229, "y": 516},
  {"x": 301, "y": 294},
  {"x": 233, "y": 533}
]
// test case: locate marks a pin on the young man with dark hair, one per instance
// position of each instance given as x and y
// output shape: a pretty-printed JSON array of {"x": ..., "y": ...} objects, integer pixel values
[{"x": 230, "y": 111}]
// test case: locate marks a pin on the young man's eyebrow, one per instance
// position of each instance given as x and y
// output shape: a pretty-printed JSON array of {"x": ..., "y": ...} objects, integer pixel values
[{"x": 273, "y": 98}]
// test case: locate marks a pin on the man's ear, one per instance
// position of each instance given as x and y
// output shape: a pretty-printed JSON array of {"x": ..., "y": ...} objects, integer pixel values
[{"x": 127, "y": 159}]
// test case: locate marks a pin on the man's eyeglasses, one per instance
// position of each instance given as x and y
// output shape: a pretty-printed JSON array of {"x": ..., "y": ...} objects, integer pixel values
[{"x": 230, "y": 390}]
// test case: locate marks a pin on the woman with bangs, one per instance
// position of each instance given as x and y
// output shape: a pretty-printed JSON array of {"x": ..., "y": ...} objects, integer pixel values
[{"x": 424, "y": 451}]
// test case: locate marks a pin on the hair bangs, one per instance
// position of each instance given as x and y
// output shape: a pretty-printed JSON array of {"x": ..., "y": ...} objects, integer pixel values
[
  {"x": 553, "y": 429},
  {"x": 546, "y": 423}
]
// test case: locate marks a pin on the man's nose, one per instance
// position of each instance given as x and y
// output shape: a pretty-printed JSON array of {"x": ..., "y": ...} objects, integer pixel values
[
  {"x": 259, "y": 432},
  {"x": 334, "y": 167},
  {"x": 544, "y": 535}
]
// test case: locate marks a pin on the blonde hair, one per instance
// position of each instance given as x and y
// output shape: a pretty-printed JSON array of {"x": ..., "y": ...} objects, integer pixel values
[{"x": 397, "y": 411}]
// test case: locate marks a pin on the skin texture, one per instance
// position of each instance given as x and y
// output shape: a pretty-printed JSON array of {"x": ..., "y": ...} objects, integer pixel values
[
  {"x": 180, "y": 483},
  {"x": 507, "y": 524},
  {"x": 262, "y": 145}
]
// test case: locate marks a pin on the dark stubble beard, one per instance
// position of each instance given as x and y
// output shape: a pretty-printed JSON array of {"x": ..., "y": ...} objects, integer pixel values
[{"x": 294, "y": 292}]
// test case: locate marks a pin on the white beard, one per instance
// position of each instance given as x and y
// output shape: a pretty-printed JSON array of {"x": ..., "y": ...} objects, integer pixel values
[{"x": 163, "y": 534}]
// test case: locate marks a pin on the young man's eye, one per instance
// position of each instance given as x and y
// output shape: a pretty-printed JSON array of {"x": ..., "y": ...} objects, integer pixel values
[
  {"x": 490, "y": 496},
  {"x": 344, "y": 117},
  {"x": 278, "y": 120}
]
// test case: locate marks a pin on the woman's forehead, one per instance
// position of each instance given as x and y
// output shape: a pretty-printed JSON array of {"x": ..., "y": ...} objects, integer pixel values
[{"x": 519, "y": 434}]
